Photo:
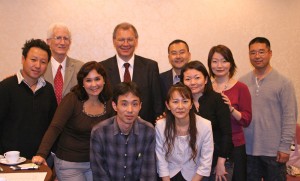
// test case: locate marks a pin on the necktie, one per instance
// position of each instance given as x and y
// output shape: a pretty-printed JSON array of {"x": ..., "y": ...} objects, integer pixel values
[
  {"x": 58, "y": 84},
  {"x": 127, "y": 74},
  {"x": 176, "y": 79}
]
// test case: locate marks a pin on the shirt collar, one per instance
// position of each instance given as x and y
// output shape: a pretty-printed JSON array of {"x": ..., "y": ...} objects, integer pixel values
[
  {"x": 121, "y": 61},
  {"x": 135, "y": 127},
  {"x": 55, "y": 64},
  {"x": 175, "y": 78},
  {"x": 41, "y": 81}
]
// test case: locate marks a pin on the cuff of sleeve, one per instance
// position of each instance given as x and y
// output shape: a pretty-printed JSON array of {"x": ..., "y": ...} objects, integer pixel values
[{"x": 285, "y": 148}]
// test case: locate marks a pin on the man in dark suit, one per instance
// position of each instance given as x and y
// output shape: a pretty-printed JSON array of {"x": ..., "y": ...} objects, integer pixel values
[
  {"x": 179, "y": 55},
  {"x": 59, "y": 39},
  {"x": 126, "y": 66}
]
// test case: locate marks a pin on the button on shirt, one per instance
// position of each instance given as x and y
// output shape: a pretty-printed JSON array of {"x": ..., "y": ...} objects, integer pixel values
[{"x": 115, "y": 156}]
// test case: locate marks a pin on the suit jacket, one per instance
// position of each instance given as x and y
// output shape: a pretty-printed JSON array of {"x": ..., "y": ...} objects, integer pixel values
[
  {"x": 146, "y": 76},
  {"x": 70, "y": 80},
  {"x": 166, "y": 81}
]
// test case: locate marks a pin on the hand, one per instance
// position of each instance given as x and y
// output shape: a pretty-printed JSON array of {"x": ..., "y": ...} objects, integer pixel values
[
  {"x": 226, "y": 99},
  {"x": 220, "y": 170},
  {"x": 282, "y": 157},
  {"x": 161, "y": 116},
  {"x": 39, "y": 160}
]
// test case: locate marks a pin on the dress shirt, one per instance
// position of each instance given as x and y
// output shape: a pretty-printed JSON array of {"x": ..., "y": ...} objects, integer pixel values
[
  {"x": 179, "y": 159},
  {"x": 114, "y": 156},
  {"x": 55, "y": 65},
  {"x": 122, "y": 68},
  {"x": 176, "y": 77},
  {"x": 41, "y": 81}
]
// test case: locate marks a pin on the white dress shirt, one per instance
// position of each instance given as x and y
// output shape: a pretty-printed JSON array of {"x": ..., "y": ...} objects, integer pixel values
[
  {"x": 179, "y": 159},
  {"x": 122, "y": 68},
  {"x": 55, "y": 65}
]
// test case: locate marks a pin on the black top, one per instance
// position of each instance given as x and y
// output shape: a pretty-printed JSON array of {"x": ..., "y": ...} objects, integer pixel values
[
  {"x": 24, "y": 116},
  {"x": 213, "y": 108}
]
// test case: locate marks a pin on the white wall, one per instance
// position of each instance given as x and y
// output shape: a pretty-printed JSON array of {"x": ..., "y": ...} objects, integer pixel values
[{"x": 202, "y": 23}]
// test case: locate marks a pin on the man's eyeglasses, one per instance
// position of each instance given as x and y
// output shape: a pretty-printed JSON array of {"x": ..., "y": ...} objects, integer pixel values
[
  {"x": 60, "y": 38},
  {"x": 261, "y": 53},
  {"x": 123, "y": 40}
]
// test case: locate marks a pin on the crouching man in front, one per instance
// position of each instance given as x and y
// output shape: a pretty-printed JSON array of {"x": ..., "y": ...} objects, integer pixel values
[{"x": 123, "y": 147}]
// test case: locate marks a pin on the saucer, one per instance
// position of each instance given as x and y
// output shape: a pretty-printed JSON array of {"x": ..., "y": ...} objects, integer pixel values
[{"x": 5, "y": 162}]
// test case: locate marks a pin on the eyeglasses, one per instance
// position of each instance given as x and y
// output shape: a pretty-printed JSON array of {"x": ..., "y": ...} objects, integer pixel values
[
  {"x": 60, "y": 38},
  {"x": 261, "y": 53},
  {"x": 123, "y": 40}
]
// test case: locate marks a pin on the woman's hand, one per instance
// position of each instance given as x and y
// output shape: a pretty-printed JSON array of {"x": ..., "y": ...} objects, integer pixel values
[
  {"x": 39, "y": 160},
  {"x": 226, "y": 100},
  {"x": 161, "y": 116},
  {"x": 220, "y": 170}
]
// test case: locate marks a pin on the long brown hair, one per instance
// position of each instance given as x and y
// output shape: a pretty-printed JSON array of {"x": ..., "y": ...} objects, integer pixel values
[{"x": 170, "y": 131}]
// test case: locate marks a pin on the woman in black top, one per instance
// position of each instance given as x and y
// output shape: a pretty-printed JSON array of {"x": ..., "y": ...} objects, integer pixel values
[{"x": 211, "y": 106}]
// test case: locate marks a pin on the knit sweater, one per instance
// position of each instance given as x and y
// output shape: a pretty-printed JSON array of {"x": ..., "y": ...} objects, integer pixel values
[
  {"x": 73, "y": 128},
  {"x": 24, "y": 116},
  {"x": 274, "y": 114}
]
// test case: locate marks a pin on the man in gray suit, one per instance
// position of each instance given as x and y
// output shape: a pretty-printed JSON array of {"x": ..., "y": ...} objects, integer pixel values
[
  {"x": 126, "y": 66},
  {"x": 59, "y": 39}
]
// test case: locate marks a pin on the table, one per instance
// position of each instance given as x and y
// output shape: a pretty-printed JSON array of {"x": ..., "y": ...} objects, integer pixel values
[{"x": 42, "y": 168}]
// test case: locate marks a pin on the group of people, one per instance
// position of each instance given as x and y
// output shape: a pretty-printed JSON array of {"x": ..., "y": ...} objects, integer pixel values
[{"x": 96, "y": 119}]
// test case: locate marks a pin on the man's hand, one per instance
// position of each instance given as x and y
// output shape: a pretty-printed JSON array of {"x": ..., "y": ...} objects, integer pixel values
[{"x": 282, "y": 157}]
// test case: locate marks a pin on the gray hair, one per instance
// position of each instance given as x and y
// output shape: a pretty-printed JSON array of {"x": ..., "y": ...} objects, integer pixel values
[
  {"x": 125, "y": 26},
  {"x": 53, "y": 26}
]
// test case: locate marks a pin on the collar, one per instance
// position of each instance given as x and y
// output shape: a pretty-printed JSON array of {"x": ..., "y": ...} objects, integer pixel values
[
  {"x": 41, "y": 81},
  {"x": 121, "y": 61},
  {"x": 135, "y": 127},
  {"x": 175, "y": 78},
  {"x": 55, "y": 64}
]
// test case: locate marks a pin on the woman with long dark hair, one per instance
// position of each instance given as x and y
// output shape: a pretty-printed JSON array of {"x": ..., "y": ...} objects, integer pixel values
[
  {"x": 184, "y": 142},
  {"x": 88, "y": 103}
]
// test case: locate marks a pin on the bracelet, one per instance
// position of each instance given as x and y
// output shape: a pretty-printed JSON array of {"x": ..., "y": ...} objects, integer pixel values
[{"x": 231, "y": 111}]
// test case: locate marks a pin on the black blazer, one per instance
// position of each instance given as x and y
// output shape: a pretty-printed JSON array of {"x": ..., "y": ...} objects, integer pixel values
[
  {"x": 146, "y": 76},
  {"x": 166, "y": 81}
]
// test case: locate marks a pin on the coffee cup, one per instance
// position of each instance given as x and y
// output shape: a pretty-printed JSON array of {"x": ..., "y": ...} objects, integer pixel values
[{"x": 12, "y": 156}]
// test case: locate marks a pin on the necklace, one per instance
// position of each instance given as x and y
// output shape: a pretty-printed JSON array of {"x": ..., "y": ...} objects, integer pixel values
[
  {"x": 220, "y": 90},
  {"x": 94, "y": 115}
]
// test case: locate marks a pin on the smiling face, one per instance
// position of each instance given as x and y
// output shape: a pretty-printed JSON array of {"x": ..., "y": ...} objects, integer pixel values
[
  {"x": 219, "y": 65},
  {"x": 93, "y": 83},
  {"x": 178, "y": 55},
  {"x": 125, "y": 43},
  {"x": 127, "y": 107},
  {"x": 179, "y": 106},
  {"x": 34, "y": 65},
  {"x": 59, "y": 42},
  {"x": 260, "y": 56},
  {"x": 195, "y": 80}
]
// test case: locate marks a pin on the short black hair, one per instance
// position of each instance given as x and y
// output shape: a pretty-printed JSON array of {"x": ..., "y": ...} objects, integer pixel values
[
  {"x": 179, "y": 41},
  {"x": 260, "y": 40},
  {"x": 38, "y": 43},
  {"x": 124, "y": 88}
]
